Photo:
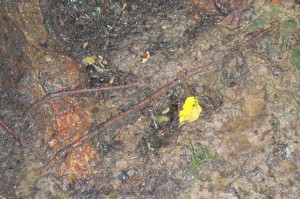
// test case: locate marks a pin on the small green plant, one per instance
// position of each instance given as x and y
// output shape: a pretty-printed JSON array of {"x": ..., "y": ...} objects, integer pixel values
[
  {"x": 199, "y": 157},
  {"x": 97, "y": 11}
]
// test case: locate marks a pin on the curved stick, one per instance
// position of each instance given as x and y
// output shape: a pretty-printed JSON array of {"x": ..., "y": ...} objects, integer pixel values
[{"x": 62, "y": 93}]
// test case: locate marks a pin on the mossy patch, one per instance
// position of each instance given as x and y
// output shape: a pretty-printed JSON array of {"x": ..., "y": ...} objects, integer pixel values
[
  {"x": 257, "y": 24},
  {"x": 295, "y": 58},
  {"x": 289, "y": 24}
]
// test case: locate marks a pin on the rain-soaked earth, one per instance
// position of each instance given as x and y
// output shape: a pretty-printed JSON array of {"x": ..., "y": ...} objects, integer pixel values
[{"x": 57, "y": 56}]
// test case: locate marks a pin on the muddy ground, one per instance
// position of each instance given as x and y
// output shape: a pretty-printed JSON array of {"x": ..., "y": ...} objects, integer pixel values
[{"x": 245, "y": 144}]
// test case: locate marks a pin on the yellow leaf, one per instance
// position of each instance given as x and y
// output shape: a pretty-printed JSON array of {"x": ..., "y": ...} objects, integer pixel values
[
  {"x": 190, "y": 111},
  {"x": 162, "y": 118},
  {"x": 111, "y": 81},
  {"x": 89, "y": 60}
]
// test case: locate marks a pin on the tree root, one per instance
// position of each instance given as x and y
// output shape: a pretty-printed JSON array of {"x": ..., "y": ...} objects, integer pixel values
[{"x": 15, "y": 135}]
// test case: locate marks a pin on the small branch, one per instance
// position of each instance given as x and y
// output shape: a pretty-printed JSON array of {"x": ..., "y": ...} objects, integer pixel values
[
  {"x": 141, "y": 104},
  {"x": 7, "y": 129},
  {"x": 255, "y": 37},
  {"x": 60, "y": 94}
]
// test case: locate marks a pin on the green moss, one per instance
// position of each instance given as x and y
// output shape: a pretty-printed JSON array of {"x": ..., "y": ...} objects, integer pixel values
[
  {"x": 267, "y": 45},
  {"x": 289, "y": 24},
  {"x": 274, "y": 11},
  {"x": 267, "y": 14},
  {"x": 295, "y": 58},
  {"x": 257, "y": 24}
]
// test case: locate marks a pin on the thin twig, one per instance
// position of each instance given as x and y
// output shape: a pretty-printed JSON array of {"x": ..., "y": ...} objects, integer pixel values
[
  {"x": 7, "y": 129},
  {"x": 141, "y": 104},
  {"x": 255, "y": 37},
  {"x": 60, "y": 94}
]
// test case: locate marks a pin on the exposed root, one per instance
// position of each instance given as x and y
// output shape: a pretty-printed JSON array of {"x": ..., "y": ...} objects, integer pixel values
[
  {"x": 60, "y": 94},
  {"x": 8, "y": 130}
]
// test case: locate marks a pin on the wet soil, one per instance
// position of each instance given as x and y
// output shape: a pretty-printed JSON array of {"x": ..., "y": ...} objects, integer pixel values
[{"x": 250, "y": 99}]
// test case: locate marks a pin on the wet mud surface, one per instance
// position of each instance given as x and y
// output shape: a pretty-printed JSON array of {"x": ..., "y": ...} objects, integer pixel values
[{"x": 245, "y": 144}]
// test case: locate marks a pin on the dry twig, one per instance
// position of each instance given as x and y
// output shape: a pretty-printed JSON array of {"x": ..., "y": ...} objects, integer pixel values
[{"x": 60, "y": 94}]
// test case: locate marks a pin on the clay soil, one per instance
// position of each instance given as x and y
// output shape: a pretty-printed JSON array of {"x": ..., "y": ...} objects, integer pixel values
[{"x": 245, "y": 144}]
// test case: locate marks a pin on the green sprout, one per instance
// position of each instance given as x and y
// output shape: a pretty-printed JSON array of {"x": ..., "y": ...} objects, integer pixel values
[
  {"x": 74, "y": 1},
  {"x": 97, "y": 11},
  {"x": 199, "y": 157}
]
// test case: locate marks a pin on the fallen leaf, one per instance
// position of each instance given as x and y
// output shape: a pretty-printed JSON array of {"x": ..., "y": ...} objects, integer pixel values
[
  {"x": 162, "y": 118},
  {"x": 197, "y": 16},
  {"x": 145, "y": 57},
  {"x": 89, "y": 60},
  {"x": 190, "y": 111},
  {"x": 85, "y": 44}
]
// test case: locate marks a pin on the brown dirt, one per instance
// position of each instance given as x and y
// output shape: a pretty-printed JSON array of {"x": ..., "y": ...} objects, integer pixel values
[{"x": 250, "y": 101}]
